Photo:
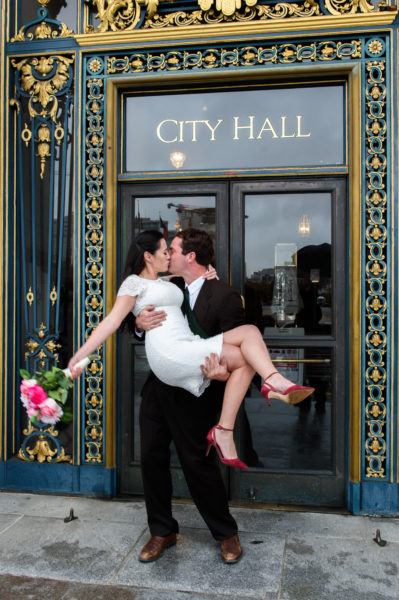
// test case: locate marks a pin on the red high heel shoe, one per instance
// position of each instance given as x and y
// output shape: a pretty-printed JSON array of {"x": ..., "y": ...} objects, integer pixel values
[
  {"x": 292, "y": 395},
  {"x": 231, "y": 462}
]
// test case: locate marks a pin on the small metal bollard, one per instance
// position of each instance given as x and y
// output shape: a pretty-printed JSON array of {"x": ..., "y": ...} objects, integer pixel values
[
  {"x": 71, "y": 517},
  {"x": 378, "y": 540}
]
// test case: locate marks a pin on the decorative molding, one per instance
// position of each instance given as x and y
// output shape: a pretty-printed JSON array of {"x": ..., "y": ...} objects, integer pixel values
[
  {"x": 43, "y": 80},
  {"x": 376, "y": 269},
  {"x": 125, "y": 15},
  {"x": 46, "y": 446},
  {"x": 94, "y": 249},
  {"x": 42, "y": 103},
  {"x": 42, "y": 28},
  {"x": 214, "y": 58}
]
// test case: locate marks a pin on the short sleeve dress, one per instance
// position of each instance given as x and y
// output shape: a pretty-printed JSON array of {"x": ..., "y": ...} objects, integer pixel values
[{"x": 173, "y": 351}]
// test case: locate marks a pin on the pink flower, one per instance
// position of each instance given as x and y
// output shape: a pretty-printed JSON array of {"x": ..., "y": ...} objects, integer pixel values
[
  {"x": 50, "y": 411},
  {"x": 26, "y": 384},
  {"x": 31, "y": 411},
  {"x": 35, "y": 393}
]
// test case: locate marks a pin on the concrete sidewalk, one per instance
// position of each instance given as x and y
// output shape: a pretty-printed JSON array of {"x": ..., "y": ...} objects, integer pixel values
[{"x": 287, "y": 555}]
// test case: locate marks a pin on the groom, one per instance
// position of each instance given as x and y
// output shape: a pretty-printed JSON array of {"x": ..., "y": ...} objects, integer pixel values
[{"x": 170, "y": 413}]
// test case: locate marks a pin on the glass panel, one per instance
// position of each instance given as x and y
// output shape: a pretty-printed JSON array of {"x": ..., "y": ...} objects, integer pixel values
[
  {"x": 255, "y": 128},
  {"x": 288, "y": 284},
  {"x": 169, "y": 214},
  {"x": 65, "y": 11},
  {"x": 283, "y": 437}
]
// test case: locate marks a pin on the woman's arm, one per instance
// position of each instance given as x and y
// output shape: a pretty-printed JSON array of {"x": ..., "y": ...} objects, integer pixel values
[{"x": 123, "y": 305}]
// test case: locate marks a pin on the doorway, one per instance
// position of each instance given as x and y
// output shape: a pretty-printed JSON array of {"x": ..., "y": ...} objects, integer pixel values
[{"x": 281, "y": 243}]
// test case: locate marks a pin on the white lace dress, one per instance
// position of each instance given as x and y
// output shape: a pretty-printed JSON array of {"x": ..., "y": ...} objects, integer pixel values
[{"x": 173, "y": 351}]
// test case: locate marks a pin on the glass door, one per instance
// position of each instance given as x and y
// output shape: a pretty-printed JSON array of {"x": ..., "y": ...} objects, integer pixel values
[
  {"x": 288, "y": 260},
  {"x": 169, "y": 208}
]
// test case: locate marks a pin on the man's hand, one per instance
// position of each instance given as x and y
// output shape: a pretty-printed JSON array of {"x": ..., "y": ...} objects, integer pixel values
[
  {"x": 149, "y": 318},
  {"x": 215, "y": 368}
]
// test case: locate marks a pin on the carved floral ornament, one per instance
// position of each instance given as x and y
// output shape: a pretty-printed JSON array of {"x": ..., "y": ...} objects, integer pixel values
[
  {"x": 117, "y": 15},
  {"x": 125, "y": 15}
]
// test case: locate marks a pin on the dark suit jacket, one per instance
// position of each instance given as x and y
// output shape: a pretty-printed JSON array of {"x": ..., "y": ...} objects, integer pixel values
[{"x": 218, "y": 307}]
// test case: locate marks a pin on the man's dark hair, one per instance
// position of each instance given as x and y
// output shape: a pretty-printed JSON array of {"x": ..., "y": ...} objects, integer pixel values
[{"x": 200, "y": 242}]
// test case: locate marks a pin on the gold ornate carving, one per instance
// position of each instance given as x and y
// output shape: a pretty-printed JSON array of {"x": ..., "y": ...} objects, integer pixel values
[
  {"x": 117, "y": 15},
  {"x": 42, "y": 90},
  {"x": 32, "y": 346},
  {"x": 42, "y": 450},
  {"x": 53, "y": 296},
  {"x": 42, "y": 79},
  {"x": 30, "y": 296},
  {"x": 345, "y": 7},
  {"x": 227, "y": 7}
]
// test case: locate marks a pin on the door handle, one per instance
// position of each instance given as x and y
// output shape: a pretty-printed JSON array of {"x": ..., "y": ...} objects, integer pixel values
[{"x": 302, "y": 360}]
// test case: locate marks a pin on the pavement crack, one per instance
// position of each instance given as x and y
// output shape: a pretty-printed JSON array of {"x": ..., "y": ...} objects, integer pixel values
[
  {"x": 12, "y": 524},
  {"x": 117, "y": 570}
]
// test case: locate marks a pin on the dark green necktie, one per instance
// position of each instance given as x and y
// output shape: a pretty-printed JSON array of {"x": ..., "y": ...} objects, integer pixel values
[{"x": 191, "y": 318}]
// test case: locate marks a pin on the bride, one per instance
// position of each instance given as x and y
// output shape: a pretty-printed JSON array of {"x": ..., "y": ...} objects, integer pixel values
[{"x": 176, "y": 355}]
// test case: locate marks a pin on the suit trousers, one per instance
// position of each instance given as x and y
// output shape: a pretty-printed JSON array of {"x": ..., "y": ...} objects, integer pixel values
[{"x": 169, "y": 413}]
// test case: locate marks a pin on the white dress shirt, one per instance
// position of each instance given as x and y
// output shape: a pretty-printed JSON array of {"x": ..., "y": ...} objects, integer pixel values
[{"x": 194, "y": 289}]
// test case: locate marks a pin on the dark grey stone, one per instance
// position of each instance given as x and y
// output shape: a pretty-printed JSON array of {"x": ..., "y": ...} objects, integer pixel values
[
  {"x": 194, "y": 565},
  {"x": 318, "y": 568},
  {"x": 80, "y": 551}
]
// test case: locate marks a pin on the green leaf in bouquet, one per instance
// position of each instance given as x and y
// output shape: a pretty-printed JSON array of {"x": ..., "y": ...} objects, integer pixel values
[
  {"x": 24, "y": 374},
  {"x": 67, "y": 416},
  {"x": 63, "y": 395},
  {"x": 55, "y": 395}
]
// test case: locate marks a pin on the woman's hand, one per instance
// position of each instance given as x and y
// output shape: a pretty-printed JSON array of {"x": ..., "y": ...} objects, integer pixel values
[
  {"x": 210, "y": 273},
  {"x": 75, "y": 371},
  {"x": 215, "y": 368}
]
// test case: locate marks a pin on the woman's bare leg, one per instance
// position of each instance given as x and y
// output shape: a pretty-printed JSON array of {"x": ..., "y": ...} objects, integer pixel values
[
  {"x": 236, "y": 388},
  {"x": 255, "y": 353}
]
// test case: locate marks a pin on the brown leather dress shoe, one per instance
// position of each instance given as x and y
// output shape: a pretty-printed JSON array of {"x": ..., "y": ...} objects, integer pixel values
[
  {"x": 231, "y": 550},
  {"x": 155, "y": 546}
]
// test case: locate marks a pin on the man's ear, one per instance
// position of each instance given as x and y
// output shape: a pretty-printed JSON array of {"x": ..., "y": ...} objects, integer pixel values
[{"x": 191, "y": 257}]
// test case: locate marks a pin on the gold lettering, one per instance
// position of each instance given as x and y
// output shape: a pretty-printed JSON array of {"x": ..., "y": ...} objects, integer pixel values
[
  {"x": 283, "y": 134},
  {"x": 181, "y": 123},
  {"x": 194, "y": 134},
  {"x": 299, "y": 134},
  {"x": 213, "y": 129},
  {"x": 267, "y": 126},
  {"x": 159, "y": 136},
  {"x": 250, "y": 127}
]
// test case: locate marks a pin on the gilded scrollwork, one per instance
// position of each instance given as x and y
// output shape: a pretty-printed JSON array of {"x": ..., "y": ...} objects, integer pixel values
[
  {"x": 376, "y": 266},
  {"x": 43, "y": 80},
  {"x": 94, "y": 245},
  {"x": 214, "y": 58},
  {"x": 42, "y": 28},
  {"x": 123, "y": 15},
  {"x": 41, "y": 444},
  {"x": 116, "y": 15}
]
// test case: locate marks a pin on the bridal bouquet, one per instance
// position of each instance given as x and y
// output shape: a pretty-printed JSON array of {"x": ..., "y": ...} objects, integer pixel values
[{"x": 44, "y": 395}]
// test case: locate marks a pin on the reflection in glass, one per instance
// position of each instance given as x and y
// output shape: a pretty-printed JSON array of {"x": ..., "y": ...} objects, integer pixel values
[
  {"x": 172, "y": 214},
  {"x": 293, "y": 437},
  {"x": 288, "y": 276}
]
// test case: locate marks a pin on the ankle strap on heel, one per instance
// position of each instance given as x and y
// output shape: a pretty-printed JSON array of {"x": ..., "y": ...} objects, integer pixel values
[
  {"x": 270, "y": 375},
  {"x": 223, "y": 428}
]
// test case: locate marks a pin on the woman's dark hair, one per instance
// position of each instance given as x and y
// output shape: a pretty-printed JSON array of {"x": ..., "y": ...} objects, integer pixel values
[{"x": 146, "y": 241}]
